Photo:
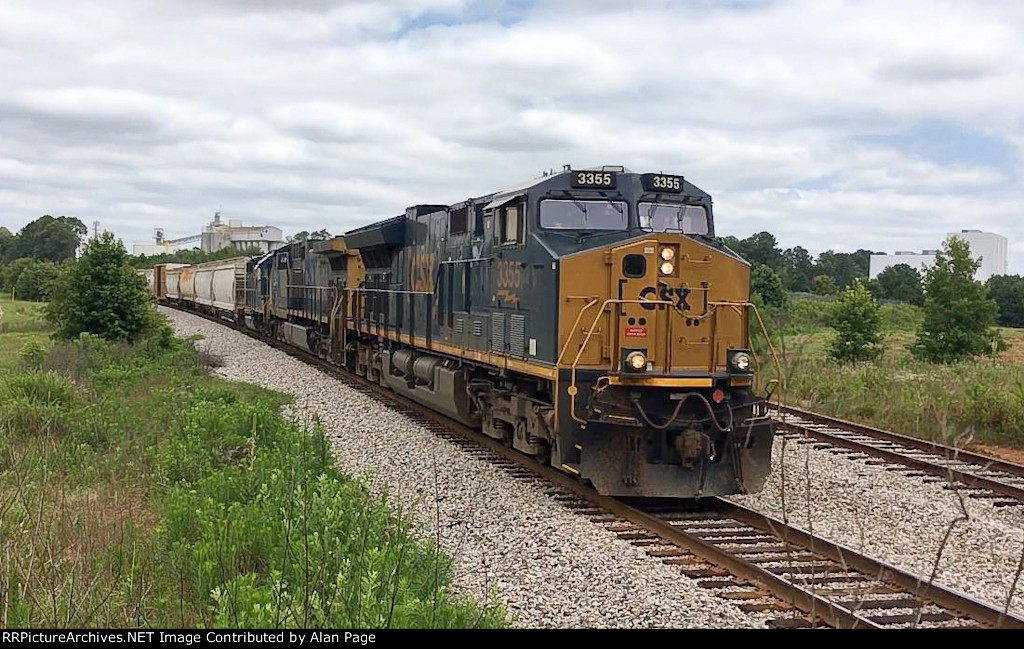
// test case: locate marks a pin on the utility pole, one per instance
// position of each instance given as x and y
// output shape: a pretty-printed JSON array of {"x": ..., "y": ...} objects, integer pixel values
[{"x": 95, "y": 229}]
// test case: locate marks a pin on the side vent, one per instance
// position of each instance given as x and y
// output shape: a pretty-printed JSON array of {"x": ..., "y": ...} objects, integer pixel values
[
  {"x": 460, "y": 325},
  {"x": 517, "y": 335},
  {"x": 498, "y": 331},
  {"x": 478, "y": 328}
]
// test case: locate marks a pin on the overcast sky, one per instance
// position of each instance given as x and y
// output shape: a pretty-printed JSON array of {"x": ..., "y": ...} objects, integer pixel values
[{"x": 834, "y": 125}]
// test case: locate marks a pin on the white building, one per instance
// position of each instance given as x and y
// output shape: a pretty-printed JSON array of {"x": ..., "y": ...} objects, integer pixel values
[
  {"x": 988, "y": 247},
  {"x": 217, "y": 235}
]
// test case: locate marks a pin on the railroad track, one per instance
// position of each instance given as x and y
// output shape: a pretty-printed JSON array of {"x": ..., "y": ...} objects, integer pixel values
[
  {"x": 978, "y": 476},
  {"x": 756, "y": 561}
]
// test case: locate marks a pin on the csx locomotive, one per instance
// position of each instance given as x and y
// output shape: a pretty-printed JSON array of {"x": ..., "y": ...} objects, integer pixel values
[{"x": 588, "y": 318}]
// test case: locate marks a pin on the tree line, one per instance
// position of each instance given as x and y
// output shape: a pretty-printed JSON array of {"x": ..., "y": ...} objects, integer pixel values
[
  {"x": 776, "y": 273},
  {"x": 31, "y": 259}
]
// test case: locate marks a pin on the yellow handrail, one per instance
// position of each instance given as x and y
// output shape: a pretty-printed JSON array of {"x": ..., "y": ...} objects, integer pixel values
[{"x": 572, "y": 390}]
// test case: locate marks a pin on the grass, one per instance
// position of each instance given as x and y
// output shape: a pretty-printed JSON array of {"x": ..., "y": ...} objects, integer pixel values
[
  {"x": 980, "y": 400},
  {"x": 20, "y": 325},
  {"x": 137, "y": 491}
]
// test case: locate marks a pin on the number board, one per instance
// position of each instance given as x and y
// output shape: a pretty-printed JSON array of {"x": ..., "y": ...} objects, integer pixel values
[
  {"x": 593, "y": 179},
  {"x": 662, "y": 183}
]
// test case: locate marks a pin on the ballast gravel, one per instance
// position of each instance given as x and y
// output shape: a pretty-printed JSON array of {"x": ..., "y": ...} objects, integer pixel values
[
  {"x": 549, "y": 566},
  {"x": 900, "y": 519}
]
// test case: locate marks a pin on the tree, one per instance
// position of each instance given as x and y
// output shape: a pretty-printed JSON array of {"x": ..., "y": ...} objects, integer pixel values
[
  {"x": 299, "y": 236},
  {"x": 766, "y": 282},
  {"x": 824, "y": 285},
  {"x": 844, "y": 267},
  {"x": 320, "y": 235},
  {"x": 101, "y": 294},
  {"x": 1008, "y": 293},
  {"x": 6, "y": 242},
  {"x": 35, "y": 280},
  {"x": 901, "y": 283},
  {"x": 9, "y": 274},
  {"x": 856, "y": 319},
  {"x": 958, "y": 314},
  {"x": 797, "y": 269},
  {"x": 50, "y": 238}
]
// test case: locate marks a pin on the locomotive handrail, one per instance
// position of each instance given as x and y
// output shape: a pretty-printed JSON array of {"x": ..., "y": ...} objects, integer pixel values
[
  {"x": 569, "y": 338},
  {"x": 771, "y": 348},
  {"x": 572, "y": 390}
]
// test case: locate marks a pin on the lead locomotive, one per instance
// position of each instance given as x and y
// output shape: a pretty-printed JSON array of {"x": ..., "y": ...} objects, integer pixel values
[{"x": 588, "y": 318}]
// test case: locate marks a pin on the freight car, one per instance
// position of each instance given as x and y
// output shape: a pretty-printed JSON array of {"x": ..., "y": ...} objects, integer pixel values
[{"x": 588, "y": 318}]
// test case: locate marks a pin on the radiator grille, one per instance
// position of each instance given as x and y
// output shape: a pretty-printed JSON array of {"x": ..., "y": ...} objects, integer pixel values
[
  {"x": 517, "y": 335},
  {"x": 497, "y": 331}
]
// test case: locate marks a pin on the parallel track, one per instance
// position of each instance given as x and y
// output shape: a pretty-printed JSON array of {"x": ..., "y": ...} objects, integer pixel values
[
  {"x": 981, "y": 476},
  {"x": 757, "y": 561}
]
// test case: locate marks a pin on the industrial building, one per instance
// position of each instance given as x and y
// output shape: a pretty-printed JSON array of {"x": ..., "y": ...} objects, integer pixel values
[
  {"x": 988, "y": 247},
  {"x": 215, "y": 236}
]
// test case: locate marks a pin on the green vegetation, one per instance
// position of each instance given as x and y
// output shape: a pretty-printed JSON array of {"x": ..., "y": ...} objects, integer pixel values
[
  {"x": 979, "y": 400},
  {"x": 899, "y": 283},
  {"x": 137, "y": 491},
  {"x": 46, "y": 238},
  {"x": 958, "y": 315},
  {"x": 101, "y": 294},
  {"x": 29, "y": 260},
  {"x": 855, "y": 317},
  {"x": 193, "y": 256},
  {"x": 766, "y": 282},
  {"x": 796, "y": 268},
  {"x": 1008, "y": 293},
  {"x": 21, "y": 325}
]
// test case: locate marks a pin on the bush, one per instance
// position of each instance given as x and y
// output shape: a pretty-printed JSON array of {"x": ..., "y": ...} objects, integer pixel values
[
  {"x": 855, "y": 317},
  {"x": 958, "y": 314},
  {"x": 824, "y": 285},
  {"x": 101, "y": 294}
]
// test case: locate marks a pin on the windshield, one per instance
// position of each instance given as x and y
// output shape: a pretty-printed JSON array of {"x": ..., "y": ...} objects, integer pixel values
[
  {"x": 662, "y": 217},
  {"x": 583, "y": 215}
]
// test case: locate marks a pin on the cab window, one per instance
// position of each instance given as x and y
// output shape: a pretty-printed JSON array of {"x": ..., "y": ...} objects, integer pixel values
[{"x": 512, "y": 224}]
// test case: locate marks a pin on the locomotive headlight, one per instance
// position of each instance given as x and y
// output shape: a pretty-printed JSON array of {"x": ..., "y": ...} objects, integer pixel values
[
  {"x": 636, "y": 361},
  {"x": 668, "y": 253},
  {"x": 667, "y": 267},
  {"x": 739, "y": 360}
]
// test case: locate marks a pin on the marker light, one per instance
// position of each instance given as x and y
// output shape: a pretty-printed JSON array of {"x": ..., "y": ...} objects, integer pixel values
[
  {"x": 636, "y": 360},
  {"x": 668, "y": 253},
  {"x": 667, "y": 268}
]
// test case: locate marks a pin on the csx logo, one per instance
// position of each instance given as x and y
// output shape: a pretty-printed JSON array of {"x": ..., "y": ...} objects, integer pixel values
[
  {"x": 421, "y": 272},
  {"x": 677, "y": 296}
]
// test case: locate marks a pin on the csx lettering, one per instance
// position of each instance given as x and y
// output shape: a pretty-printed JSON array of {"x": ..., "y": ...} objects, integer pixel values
[
  {"x": 509, "y": 274},
  {"x": 666, "y": 294},
  {"x": 421, "y": 272}
]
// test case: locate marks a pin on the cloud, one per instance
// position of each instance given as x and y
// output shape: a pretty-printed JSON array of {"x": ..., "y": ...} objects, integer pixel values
[{"x": 833, "y": 124}]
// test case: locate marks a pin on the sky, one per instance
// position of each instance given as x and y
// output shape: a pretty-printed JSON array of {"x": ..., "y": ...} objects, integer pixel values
[{"x": 832, "y": 124}]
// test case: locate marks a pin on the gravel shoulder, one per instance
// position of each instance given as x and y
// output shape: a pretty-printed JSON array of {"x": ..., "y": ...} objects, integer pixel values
[
  {"x": 898, "y": 519},
  {"x": 549, "y": 566}
]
